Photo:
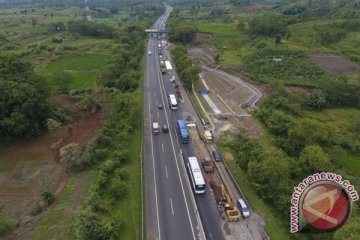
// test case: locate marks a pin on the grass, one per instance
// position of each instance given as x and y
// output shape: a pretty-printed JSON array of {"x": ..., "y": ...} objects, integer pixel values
[
  {"x": 352, "y": 162},
  {"x": 274, "y": 225},
  {"x": 58, "y": 222},
  {"x": 84, "y": 79},
  {"x": 85, "y": 68},
  {"x": 86, "y": 61},
  {"x": 198, "y": 108}
]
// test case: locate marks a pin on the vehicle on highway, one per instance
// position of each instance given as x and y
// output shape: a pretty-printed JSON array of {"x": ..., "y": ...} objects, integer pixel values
[
  {"x": 243, "y": 208},
  {"x": 165, "y": 128},
  {"x": 172, "y": 102},
  {"x": 149, "y": 52},
  {"x": 216, "y": 155},
  {"x": 160, "y": 107},
  {"x": 155, "y": 127},
  {"x": 196, "y": 176},
  {"x": 172, "y": 79},
  {"x": 162, "y": 67},
  {"x": 183, "y": 131}
]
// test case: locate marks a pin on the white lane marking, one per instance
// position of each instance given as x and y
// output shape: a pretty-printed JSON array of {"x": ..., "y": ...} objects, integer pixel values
[
  {"x": 156, "y": 103},
  {"x": 211, "y": 236},
  {"x": 155, "y": 94},
  {"x": 162, "y": 146},
  {"x": 158, "y": 115},
  {"x": 153, "y": 162},
  {"x": 162, "y": 88},
  {"x": 172, "y": 208},
  {"x": 167, "y": 176}
]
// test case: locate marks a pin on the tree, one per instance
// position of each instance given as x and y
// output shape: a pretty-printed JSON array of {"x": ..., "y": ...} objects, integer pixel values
[
  {"x": 71, "y": 157},
  {"x": 269, "y": 178},
  {"x": 279, "y": 122},
  {"x": 310, "y": 131},
  {"x": 89, "y": 226},
  {"x": 269, "y": 25},
  {"x": 314, "y": 159}
]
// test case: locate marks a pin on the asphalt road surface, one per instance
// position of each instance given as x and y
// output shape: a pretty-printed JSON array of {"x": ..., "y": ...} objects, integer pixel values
[{"x": 171, "y": 212}]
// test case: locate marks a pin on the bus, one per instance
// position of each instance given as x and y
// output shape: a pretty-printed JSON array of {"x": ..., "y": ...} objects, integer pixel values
[
  {"x": 183, "y": 131},
  {"x": 196, "y": 176},
  {"x": 172, "y": 102}
]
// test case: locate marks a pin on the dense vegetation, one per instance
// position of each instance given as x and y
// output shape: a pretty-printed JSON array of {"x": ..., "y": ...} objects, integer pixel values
[
  {"x": 310, "y": 129},
  {"x": 24, "y": 107},
  {"x": 98, "y": 65},
  {"x": 187, "y": 71},
  {"x": 180, "y": 31}
]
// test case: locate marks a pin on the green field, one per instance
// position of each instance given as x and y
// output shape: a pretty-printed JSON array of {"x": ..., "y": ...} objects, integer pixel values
[
  {"x": 60, "y": 219},
  {"x": 84, "y": 68}
]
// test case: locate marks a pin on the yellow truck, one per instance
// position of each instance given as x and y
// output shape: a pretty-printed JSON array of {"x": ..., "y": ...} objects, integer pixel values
[{"x": 208, "y": 136}]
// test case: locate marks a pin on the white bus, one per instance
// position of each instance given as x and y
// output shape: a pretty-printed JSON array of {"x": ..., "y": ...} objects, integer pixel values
[
  {"x": 196, "y": 176},
  {"x": 172, "y": 102}
]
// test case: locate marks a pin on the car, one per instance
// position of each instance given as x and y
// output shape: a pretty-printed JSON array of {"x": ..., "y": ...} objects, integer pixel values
[
  {"x": 149, "y": 52},
  {"x": 245, "y": 212},
  {"x": 165, "y": 128},
  {"x": 155, "y": 127},
  {"x": 216, "y": 156},
  {"x": 172, "y": 79},
  {"x": 161, "y": 106}
]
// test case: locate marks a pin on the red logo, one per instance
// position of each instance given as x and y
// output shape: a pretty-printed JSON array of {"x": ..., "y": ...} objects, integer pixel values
[{"x": 325, "y": 206}]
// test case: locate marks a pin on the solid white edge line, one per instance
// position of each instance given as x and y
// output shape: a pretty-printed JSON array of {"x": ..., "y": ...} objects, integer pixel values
[{"x": 172, "y": 208}]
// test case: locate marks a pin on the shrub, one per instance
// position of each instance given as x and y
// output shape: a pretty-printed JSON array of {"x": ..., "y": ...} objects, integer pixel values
[
  {"x": 71, "y": 157},
  {"x": 6, "y": 226},
  {"x": 36, "y": 209},
  {"x": 118, "y": 188},
  {"x": 48, "y": 196}
]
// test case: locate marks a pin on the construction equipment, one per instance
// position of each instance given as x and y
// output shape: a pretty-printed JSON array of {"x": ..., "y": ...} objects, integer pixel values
[
  {"x": 224, "y": 199},
  {"x": 208, "y": 165}
]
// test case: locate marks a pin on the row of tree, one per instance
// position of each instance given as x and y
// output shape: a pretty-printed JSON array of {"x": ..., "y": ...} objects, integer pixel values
[
  {"x": 122, "y": 71},
  {"x": 188, "y": 72}
]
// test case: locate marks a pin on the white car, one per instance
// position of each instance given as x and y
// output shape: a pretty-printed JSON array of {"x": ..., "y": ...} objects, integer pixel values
[
  {"x": 149, "y": 52},
  {"x": 172, "y": 79}
]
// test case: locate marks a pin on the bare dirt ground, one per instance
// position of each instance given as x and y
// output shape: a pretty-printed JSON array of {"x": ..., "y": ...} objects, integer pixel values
[
  {"x": 230, "y": 91},
  {"x": 203, "y": 36},
  {"x": 26, "y": 169},
  {"x": 334, "y": 64}
]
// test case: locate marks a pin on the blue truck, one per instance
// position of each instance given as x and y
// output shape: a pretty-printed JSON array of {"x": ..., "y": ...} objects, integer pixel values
[{"x": 183, "y": 131}]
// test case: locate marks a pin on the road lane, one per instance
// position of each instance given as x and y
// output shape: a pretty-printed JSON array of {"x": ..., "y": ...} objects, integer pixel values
[{"x": 173, "y": 218}]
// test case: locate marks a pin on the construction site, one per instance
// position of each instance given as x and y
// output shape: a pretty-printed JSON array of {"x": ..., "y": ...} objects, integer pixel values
[{"x": 224, "y": 188}]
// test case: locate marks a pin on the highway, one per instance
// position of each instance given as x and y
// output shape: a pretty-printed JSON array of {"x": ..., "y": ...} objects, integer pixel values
[{"x": 171, "y": 212}]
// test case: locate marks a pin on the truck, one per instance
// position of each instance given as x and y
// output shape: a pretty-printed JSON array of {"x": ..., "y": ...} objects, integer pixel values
[
  {"x": 178, "y": 94},
  {"x": 162, "y": 67},
  {"x": 183, "y": 131},
  {"x": 208, "y": 165},
  {"x": 207, "y": 136}
]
